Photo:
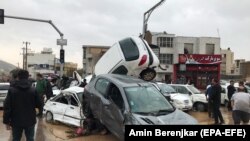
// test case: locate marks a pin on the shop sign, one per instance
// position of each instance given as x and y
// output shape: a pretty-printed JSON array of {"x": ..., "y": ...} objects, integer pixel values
[{"x": 199, "y": 59}]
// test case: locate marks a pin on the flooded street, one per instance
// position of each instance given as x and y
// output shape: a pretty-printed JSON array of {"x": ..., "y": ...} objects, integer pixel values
[{"x": 58, "y": 132}]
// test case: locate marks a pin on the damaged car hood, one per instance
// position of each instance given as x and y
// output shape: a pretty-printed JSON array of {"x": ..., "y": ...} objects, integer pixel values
[{"x": 176, "y": 117}]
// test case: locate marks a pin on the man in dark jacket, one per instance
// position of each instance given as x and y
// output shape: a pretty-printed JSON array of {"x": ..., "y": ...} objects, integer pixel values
[
  {"x": 216, "y": 99},
  {"x": 210, "y": 103},
  {"x": 19, "y": 107},
  {"x": 230, "y": 91}
]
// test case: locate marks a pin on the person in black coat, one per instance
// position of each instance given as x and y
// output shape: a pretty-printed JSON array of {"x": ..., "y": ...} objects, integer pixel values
[
  {"x": 19, "y": 107},
  {"x": 230, "y": 91},
  {"x": 216, "y": 99}
]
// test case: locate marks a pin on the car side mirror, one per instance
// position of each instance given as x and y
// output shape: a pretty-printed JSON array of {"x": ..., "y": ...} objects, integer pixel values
[{"x": 189, "y": 93}]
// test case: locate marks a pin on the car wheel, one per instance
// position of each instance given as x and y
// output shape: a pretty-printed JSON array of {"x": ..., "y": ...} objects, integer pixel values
[
  {"x": 148, "y": 74},
  {"x": 200, "y": 107},
  {"x": 49, "y": 117}
]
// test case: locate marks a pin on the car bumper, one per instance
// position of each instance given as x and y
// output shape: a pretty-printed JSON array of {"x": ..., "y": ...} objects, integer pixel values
[{"x": 184, "y": 107}]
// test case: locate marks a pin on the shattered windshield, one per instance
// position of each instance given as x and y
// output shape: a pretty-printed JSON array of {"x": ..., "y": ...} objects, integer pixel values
[
  {"x": 166, "y": 88},
  {"x": 147, "y": 100}
]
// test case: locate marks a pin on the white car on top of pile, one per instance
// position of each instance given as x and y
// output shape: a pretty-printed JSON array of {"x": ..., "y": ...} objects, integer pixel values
[
  {"x": 130, "y": 56},
  {"x": 66, "y": 107}
]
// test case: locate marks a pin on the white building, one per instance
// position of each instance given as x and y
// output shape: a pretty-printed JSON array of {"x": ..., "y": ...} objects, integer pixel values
[
  {"x": 171, "y": 46},
  {"x": 227, "y": 65},
  {"x": 43, "y": 62},
  {"x": 237, "y": 66}
]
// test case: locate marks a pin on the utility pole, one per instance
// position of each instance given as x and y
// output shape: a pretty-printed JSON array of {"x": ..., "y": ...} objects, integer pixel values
[
  {"x": 146, "y": 17},
  {"x": 26, "y": 55},
  {"x": 60, "y": 41},
  {"x": 23, "y": 57}
]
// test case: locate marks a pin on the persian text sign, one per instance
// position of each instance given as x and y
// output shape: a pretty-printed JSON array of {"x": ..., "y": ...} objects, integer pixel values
[{"x": 199, "y": 59}]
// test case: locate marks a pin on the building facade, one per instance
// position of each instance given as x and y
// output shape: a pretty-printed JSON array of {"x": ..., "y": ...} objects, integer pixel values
[
  {"x": 237, "y": 66},
  {"x": 68, "y": 69},
  {"x": 172, "y": 48},
  {"x": 43, "y": 62},
  {"x": 91, "y": 54},
  {"x": 227, "y": 64},
  {"x": 245, "y": 70}
]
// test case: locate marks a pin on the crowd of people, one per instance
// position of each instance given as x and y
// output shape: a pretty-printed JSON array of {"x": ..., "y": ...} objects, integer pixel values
[
  {"x": 25, "y": 101},
  {"x": 239, "y": 102},
  {"x": 22, "y": 101}
]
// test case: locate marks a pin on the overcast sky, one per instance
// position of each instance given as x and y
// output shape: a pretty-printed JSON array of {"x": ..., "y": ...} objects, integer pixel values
[{"x": 103, "y": 22}]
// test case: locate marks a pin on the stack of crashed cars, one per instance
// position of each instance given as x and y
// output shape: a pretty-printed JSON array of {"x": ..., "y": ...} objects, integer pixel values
[{"x": 119, "y": 93}]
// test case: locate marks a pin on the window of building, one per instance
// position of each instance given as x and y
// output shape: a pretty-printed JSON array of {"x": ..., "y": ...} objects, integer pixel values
[
  {"x": 237, "y": 64},
  {"x": 188, "y": 48},
  {"x": 166, "y": 58},
  {"x": 84, "y": 53},
  {"x": 165, "y": 41},
  {"x": 209, "y": 48},
  {"x": 232, "y": 71}
]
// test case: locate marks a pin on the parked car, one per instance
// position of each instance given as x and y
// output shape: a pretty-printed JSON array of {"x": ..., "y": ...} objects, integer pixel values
[
  {"x": 119, "y": 100},
  {"x": 4, "y": 87},
  {"x": 224, "y": 97},
  {"x": 198, "y": 98},
  {"x": 130, "y": 56},
  {"x": 66, "y": 107},
  {"x": 180, "y": 101}
]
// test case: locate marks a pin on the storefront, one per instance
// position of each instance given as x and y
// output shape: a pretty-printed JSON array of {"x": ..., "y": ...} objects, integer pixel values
[{"x": 197, "y": 69}]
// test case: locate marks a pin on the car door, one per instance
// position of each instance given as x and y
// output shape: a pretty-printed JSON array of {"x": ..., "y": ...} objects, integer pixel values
[
  {"x": 58, "y": 107},
  {"x": 113, "y": 57},
  {"x": 184, "y": 90},
  {"x": 96, "y": 96},
  {"x": 112, "y": 110},
  {"x": 72, "y": 113}
]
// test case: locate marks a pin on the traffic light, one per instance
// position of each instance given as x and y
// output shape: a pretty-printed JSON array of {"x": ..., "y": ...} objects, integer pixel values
[
  {"x": 61, "y": 55},
  {"x": 1, "y": 16}
]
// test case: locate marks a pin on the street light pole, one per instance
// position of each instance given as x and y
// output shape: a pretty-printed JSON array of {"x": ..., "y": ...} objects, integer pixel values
[
  {"x": 146, "y": 17},
  {"x": 61, "y": 41},
  {"x": 26, "y": 55}
]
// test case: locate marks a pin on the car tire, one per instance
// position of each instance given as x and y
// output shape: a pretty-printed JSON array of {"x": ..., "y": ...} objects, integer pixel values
[
  {"x": 148, "y": 74},
  {"x": 200, "y": 107},
  {"x": 49, "y": 117}
]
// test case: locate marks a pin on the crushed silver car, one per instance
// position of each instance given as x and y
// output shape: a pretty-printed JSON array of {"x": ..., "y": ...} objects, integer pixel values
[{"x": 119, "y": 100}]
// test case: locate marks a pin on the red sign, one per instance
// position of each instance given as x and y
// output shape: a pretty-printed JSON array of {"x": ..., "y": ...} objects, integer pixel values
[{"x": 199, "y": 59}]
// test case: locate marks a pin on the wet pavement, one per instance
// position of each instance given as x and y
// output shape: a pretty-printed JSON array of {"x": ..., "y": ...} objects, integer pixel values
[{"x": 57, "y": 132}]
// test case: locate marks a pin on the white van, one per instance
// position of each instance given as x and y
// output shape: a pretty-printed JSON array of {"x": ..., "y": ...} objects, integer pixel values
[
  {"x": 130, "y": 56},
  {"x": 199, "y": 99}
]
